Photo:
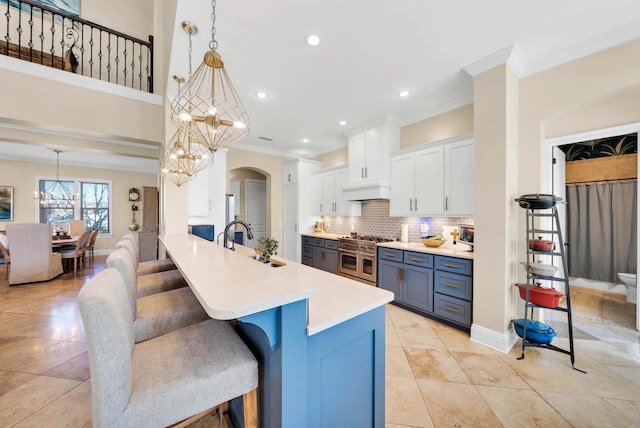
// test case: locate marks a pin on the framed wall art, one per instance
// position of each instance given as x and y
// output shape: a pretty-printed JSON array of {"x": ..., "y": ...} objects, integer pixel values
[
  {"x": 70, "y": 7},
  {"x": 6, "y": 203}
]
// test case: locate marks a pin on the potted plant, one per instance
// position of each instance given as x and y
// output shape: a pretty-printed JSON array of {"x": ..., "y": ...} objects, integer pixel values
[{"x": 267, "y": 248}]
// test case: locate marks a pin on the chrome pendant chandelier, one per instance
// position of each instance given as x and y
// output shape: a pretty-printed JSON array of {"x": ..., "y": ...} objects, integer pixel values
[
  {"x": 210, "y": 102},
  {"x": 57, "y": 195}
]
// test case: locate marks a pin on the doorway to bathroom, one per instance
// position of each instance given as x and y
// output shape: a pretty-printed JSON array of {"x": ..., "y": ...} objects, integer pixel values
[{"x": 590, "y": 171}]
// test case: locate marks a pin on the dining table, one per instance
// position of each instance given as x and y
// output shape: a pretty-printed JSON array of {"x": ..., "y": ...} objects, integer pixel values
[{"x": 63, "y": 241}]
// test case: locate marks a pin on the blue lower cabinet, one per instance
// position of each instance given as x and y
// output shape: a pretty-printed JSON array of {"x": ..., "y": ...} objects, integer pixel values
[
  {"x": 436, "y": 286},
  {"x": 320, "y": 253}
]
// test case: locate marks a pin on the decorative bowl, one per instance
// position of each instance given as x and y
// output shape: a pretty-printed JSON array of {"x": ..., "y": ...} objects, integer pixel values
[{"x": 433, "y": 241}]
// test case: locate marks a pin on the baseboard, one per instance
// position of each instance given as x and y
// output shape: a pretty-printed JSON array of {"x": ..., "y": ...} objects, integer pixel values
[{"x": 502, "y": 342}]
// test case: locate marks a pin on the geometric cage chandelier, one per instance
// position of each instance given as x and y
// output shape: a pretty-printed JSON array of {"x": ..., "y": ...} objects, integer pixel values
[
  {"x": 185, "y": 154},
  {"x": 56, "y": 195},
  {"x": 209, "y": 101}
]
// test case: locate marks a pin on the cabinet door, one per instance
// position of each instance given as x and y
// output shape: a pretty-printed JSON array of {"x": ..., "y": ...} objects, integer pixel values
[
  {"x": 401, "y": 182},
  {"x": 418, "y": 287},
  {"x": 318, "y": 258},
  {"x": 374, "y": 154},
  {"x": 329, "y": 194},
  {"x": 460, "y": 178},
  {"x": 331, "y": 261},
  {"x": 290, "y": 223},
  {"x": 316, "y": 195},
  {"x": 356, "y": 158},
  {"x": 428, "y": 181},
  {"x": 390, "y": 277},
  {"x": 291, "y": 174}
]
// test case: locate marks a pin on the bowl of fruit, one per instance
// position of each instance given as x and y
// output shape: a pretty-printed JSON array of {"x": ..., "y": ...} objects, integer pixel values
[{"x": 433, "y": 241}]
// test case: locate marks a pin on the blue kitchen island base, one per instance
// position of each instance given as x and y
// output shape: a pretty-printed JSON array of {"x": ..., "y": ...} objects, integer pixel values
[{"x": 334, "y": 378}]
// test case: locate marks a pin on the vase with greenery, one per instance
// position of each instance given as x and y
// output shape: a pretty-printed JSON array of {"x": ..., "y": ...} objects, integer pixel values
[{"x": 267, "y": 247}]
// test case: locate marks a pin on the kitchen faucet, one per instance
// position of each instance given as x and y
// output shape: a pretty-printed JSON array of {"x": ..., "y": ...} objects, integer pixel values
[{"x": 226, "y": 233}]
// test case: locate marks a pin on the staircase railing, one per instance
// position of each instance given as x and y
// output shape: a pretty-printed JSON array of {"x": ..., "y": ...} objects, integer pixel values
[{"x": 47, "y": 36}]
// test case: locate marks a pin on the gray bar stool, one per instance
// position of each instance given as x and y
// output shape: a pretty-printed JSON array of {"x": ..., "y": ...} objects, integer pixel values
[
  {"x": 164, "y": 380},
  {"x": 158, "y": 313},
  {"x": 151, "y": 266}
]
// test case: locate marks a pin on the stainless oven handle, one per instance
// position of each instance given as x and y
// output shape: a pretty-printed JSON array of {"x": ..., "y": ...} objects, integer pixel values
[{"x": 349, "y": 252}]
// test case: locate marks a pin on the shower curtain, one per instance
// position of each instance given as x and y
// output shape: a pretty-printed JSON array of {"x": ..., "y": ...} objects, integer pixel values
[{"x": 602, "y": 235}]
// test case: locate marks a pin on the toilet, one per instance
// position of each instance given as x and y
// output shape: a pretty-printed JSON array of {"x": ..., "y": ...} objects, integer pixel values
[{"x": 629, "y": 280}]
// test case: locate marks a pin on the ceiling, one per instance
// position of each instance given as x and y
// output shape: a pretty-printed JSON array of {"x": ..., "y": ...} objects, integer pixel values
[{"x": 368, "y": 52}]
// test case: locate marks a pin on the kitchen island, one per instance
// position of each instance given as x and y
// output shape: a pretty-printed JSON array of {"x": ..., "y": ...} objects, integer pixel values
[{"x": 319, "y": 337}]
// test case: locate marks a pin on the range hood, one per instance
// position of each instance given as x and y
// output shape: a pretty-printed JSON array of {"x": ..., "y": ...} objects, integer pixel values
[{"x": 365, "y": 192}]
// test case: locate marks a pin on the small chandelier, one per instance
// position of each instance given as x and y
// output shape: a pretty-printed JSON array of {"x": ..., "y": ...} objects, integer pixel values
[
  {"x": 57, "y": 195},
  {"x": 210, "y": 102},
  {"x": 185, "y": 154}
]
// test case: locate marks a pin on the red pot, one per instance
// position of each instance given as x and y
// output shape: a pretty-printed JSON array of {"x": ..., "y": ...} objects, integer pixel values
[
  {"x": 541, "y": 245},
  {"x": 541, "y": 296}
]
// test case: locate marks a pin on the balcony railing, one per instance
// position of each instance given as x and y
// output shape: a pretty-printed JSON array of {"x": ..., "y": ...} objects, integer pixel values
[{"x": 46, "y": 36}]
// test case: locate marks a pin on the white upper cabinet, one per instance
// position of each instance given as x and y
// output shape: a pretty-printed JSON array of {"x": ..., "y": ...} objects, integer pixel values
[
  {"x": 369, "y": 153},
  {"x": 327, "y": 198},
  {"x": 434, "y": 180},
  {"x": 290, "y": 173},
  {"x": 460, "y": 160}
]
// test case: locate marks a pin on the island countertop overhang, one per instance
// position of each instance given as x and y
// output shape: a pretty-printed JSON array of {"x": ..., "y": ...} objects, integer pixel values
[{"x": 232, "y": 284}]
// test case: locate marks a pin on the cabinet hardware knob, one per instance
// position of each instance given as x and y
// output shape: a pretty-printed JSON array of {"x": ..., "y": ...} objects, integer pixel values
[
  {"x": 451, "y": 265},
  {"x": 362, "y": 172},
  {"x": 415, "y": 204},
  {"x": 410, "y": 204},
  {"x": 389, "y": 255},
  {"x": 366, "y": 172},
  {"x": 446, "y": 203},
  {"x": 448, "y": 284},
  {"x": 450, "y": 309},
  {"x": 415, "y": 259}
]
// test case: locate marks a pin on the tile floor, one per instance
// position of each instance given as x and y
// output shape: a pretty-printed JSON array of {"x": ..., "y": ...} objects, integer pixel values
[{"x": 435, "y": 375}]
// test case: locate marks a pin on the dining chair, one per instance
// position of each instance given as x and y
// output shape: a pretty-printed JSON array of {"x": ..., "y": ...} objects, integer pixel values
[
  {"x": 158, "y": 313},
  {"x": 164, "y": 380},
  {"x": 77, "y": 253},
  {"x": 4, "y": 249},
  {"x": 77, "y": 227},
  {"x": 152, "y": 283},
  {"x": 32, "y": 260},
  {"x": 91, "y": 243},
  {"x": 148, "y": 267}
]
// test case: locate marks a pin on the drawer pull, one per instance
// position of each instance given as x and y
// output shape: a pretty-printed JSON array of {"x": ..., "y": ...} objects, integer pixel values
[
  {"x": 389, "y": 255},
  {"x": 451, "y": 265},
  {"x": 415, "y": 259},
  {"x": 450, "y": 309},
  {"x": 448, "y": 284}
]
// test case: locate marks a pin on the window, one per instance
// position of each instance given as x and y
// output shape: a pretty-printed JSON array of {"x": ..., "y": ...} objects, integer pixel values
[{"x": 94, "y": 206}]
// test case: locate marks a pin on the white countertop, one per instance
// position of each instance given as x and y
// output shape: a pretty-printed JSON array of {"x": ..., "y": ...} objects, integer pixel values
[
  {"x": 446, "y": 249},
  {"x": 325, "y": 235},
  {"x": 232, "y": 284}
]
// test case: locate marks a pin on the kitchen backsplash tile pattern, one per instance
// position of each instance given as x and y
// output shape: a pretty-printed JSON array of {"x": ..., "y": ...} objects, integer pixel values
[{"x": 375, "y": 220}]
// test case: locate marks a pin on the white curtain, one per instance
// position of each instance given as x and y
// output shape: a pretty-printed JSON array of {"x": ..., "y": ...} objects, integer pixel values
[{"x": 602, "y": 235}]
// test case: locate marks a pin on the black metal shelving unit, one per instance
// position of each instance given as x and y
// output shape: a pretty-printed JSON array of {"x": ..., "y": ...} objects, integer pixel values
[{"x": 533, "y": 216}]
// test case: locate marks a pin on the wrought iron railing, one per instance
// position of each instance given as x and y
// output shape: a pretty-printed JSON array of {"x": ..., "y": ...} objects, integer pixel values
[{"x": 47, "y": 36}]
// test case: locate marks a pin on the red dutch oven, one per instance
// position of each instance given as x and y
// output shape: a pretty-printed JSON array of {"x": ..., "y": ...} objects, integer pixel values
[
  {"x": 541, "y": 245},
  {"x": 540, "y": 295}
]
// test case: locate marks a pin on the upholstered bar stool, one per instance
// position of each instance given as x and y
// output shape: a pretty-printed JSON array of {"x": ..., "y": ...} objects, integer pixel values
[
  {"x": 152, "y": 283},
  {"x": 151, "y": 266},
  {"x": 164, "y": 380},
  {"x": 158, "y": 313}
]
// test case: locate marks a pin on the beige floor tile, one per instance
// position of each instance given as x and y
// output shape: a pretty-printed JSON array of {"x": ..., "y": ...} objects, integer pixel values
[
  {"x": 587, "y": 411},
  {"x": 32, "y": 396},
  {"x": 9, "y": 302},
  {"x": 76, "y": 368},
  {"x": 66, "y": 308},
  {"x": 456, "y": 405},
  {"x": 396, "y": 363},
  {"x": 14, "y": 349},
  {"x": 12, "y": 380},
  {"x": 458, "y": 341},
  {"x": 630, "y": 409},
  {"x": 404, "y": 404},
  {"x": 630, "y": 373},
  {"x": 46, "y": 359},
  {"x": 489, "y": 370},
  {"x": 619, "y": 354},
  {"x": 607, "y": 383},
  {"x": 416, "y": 333},
  {"x": 72, "y": 409},
  {"x": 391, "y": 338},
  {"x": 521, "y": 408},
  {"x": 435, "y": 365}
]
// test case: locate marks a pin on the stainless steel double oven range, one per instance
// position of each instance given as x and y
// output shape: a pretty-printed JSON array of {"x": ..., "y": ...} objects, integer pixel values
[{"x": 357, "y": 257}]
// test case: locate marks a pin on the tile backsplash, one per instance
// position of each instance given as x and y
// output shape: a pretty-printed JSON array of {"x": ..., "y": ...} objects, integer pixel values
[{"x": 375, "y": 221}]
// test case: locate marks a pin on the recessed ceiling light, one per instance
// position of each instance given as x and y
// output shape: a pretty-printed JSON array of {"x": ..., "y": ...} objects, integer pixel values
[
  {"x": 313, "y": 40},
  {"x": 403, "y": 94},
  {"x": 261, "y": 94},
  {"x": 342, "y": 122},
  {"x": 305, "y": 140}
]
